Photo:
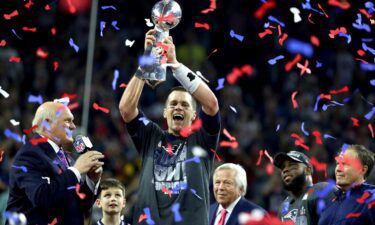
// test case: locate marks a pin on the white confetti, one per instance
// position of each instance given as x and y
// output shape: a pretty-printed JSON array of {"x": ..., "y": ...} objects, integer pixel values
[
  {"x": 232, "y": 108},
  {"x": 148, "y": 23},
  {"x": 4, "y": 93},
  {"x": 14, "y": 122},
  {"x": 129, "y": 43},
  {"x": 296, "y": 12}
]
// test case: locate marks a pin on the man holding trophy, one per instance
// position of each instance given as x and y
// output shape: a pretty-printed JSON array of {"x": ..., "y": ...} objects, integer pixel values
[{"x": 174, "y": 183}]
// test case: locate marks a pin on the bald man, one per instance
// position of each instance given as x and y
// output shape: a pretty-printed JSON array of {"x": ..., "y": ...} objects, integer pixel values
[{"x": 44, "y": 178}]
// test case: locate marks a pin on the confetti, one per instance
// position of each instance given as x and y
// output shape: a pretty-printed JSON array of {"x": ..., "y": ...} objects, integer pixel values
[
  {"x": 35, "y": 99},
  {"x": 296, "y": 46},
  {"x": 295, "y": 104},
  {"x": 148, "y": 23},
  {"x": 147, "y": 212},
  {"x": 15, "y": 59},
  {"x": 202, "y": 25},
  {"x": 227, "y": 134},
  {"x": 97, "y": 107},
  {"x": 318, "y": 137},
  {"x": 333, "y": 33},
  {"x": 53, "y": 31},
  {"x": 328, "y": 136},
  {"x": 3, "y": 43},
  {"x": 144, "y": 120},
  {"x": 297, "y": 18},
  {"x": 175, "y": 209},
  {"x": 283, "y": 38},
  {"x": 29, "y": 4},
  {"x": 73, "y": 105},
  {"x": 9, "y": 134},
  {"x": 274, "y": 60},
  {"x": 273, "y": 19},
  {"x": 14, "y": 32},
  {"x": 216, "y": 155},
  {"x": 41, "y": 53},
  {"x": 347, "y": 36},
  {"x": 115, "y": 78},
  {"x": 220, "y": 84},
  {"x": 108, "y": 7},
  {"x": 290, "y": 64},
  {"x": 195, "y": 193},
  {"x": 28, "y": 131},
  {"x": 342, "y": 5},
  {"x": 71, "y": 43},
  {"x": 80, "y": 195},
  {"x": 370, "y": 114},
  {"x": 36, "y": 141},
  {"x": 4, "y": 93},
  {"x": 263, "y": 34},
  {"x": 233, "y": 109},
  {"x": 352, "y": 215},
  {"x": 29, "y": 29},
  {"x": 233, "y": 145},
  {"x": 304, "y": 68},
  {"x": 362, "y": 199},
  {"x": 315, "y": 40},
  {"x": 14, "y": 122},
  {"x": 366, "y": 48},
  {"x": 1, "y": 155},
  {"x": 237, "y": 72},
  {"x": 102, "y": 26},
  {"x": 47, "y": 7},
  {"x": 303, "y": 129},
  {"x": 237, "y": 36},
  {"x": 259, "y": 158},
  {"x": 259, "y": 13},
  {"x": 129, "y": 43},
  {"x": 23, "y": 168},
  {"x": 189, "y": 130},
  {"x": 371, "y": 130},
  {"x": 114, "y": 25},
  {"x": 277, "y": 127},
  {"x": 355, "y": 122},
  {"x": 211, "y": 8},
  {"x": 166, "y": 191},
  {"x": 11, "y": 15}
]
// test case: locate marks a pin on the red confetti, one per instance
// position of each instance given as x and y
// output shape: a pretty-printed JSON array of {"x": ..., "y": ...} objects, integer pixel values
[
  {"x": 342, "y": 5},
  {"x": 268, "y": 156},
  {"x": 361, "y": 52},
  {"x": 41, "y": 53},
  {"x": 309, "y": 18},
  {"x": 97, "y": 107},
  {"x": 70, "y": 96},
  {"x": 264, "y": 8},
  {"x": 226, "y": 133},
  {"x": 14, "y": 59},
  {"x": 344, "y": 89},
  {"x": 304, "y": 68},
  {"x": 189, "y": 130},
  {"x": 142, "y": 217},
  {"x": 371, "y": 204},
  {"x": 47, "y": 7},
  {"x": 55, "y": 65},
  {"x": 323, "y": 96},
  {"x": 283, "y": 38},
  {"x": 295, "y": 104},
  {"x": 352, "y": 215},
  {"x": 355, "y": 122},
  {"x": 3, "y": 43},
  {"x": 216, "y": 155},
  {"x": 371, "y": 129},
  {"x": 12, "y": 14},
  {"x": 290, "y": 64},
  {"x": 211, "y": 8},
  {"x": 202, "y": 25},
  {"x": 80, "y": 195},
  {"x": 260, "y": 157},
  {"x": 300, "y": 141},
  {"x": 320, "y": 7},
  {"x": 163, "y": 46},
  {"x": 28, "y": 131},
  {"x": 263, "y": 34},
  {"x": 315, "y": 40},
  {"x": 237, "y": 72},
  {"x": 362, "y": 199},
  {"x": 318, "y": 137},
  {"x": 169, "y": 149},
  {"x": 166, "y": 191},
  {"x": 1, "y": 155},
  {"x": 122, "y": 85},
  {"x": 363, "y": 61},
  {"x": 319, "y": 166},
  {"x": 333, "y": 33},
  {"x": 54, "y": 221},
  {"x": 53, "y": 30},
  {"x": 36, "y": 141},
  {"x": 269, "y": 169},
  {"x": 215, "y": 50},
  {"x": 29, "y": 29},
  {"x": 73, "y": 105},
  {"x": 29, "y": 4},
  {"x": 364, "y": 12},
  {"x": 231, "y": 144}
]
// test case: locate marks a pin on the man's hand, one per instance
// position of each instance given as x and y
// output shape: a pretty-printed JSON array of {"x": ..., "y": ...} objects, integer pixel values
[
  {"x": 171, "y": 52},
  {"x": 95, "y": 173},
  {"x": 88, "y": 160},
  {"x": 150, "y": 38}
]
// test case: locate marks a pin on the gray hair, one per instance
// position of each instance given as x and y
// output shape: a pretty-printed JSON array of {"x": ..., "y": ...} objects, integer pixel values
[
  {"x": 43, "y": 113},
  {"x": 240, "y": 175}
]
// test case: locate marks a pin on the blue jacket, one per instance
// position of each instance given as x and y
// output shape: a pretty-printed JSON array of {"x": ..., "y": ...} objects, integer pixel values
[
  {"x": 347, "y": 209},
  {"x": 242, "y": 205},
  {"x": 39, "y": 188}
]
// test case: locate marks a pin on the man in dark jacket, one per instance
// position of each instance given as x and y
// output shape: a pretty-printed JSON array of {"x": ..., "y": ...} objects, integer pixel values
[{"x": 354, "y": 203}]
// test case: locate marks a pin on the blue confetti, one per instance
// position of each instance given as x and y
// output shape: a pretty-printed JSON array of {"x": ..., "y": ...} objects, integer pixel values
[
  {"x": 178, "y": 187},
  {"x": 285, "y": 208},
  {"x": 266, "y": 25},
  {"x": 343, "y": 148},
  {"x": 273, "y": 19},
  {"x": 115, "y": 77},
  {"x": 195, "y": 193},
  {"x": 108, "y": 7},
  {"x": 295, "y": 46},
  {"x": 367, "y": 39},
  {"x": 277, "y": 127},
  {"x": 303, "y": 129},
  {"x": 220, "y": 84},
  {"x": 37, "y": 99},
  {"x": 347, "y": 36},
  {"x": 367, "y": 67},
  {"x": 114, "y": 25},
  {"x": 102, "y": 26},
  {"x": 149, "y": 221},
  {"x": 318, "y": 64},
  {"x": 72, "y": 187},
  {"x": 237, "y": 36},
  {"x": 274, "y": 60},
  {"x": 326, "y": 136},
  {"x": 176, "y": 213},
  {"x": 366, "y": 48},
  {"x": 23, "y": 168},
  {"x": 194, "y": 159},
  {"x": 369, "y": 115},
  {"x": 71, "y": 43},
  {"x": 316, "y": 103},
  {"x": 372, "y": 82},
  {"x": 14, "y": 32},
  {"x": 307, "y": 5},
  {"x": 9, "y": 134}
]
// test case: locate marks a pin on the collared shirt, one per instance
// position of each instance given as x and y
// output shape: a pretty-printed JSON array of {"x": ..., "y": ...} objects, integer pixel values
[
  {"x": 229, "y": 210},
  {"x": 89, "y": 182}
]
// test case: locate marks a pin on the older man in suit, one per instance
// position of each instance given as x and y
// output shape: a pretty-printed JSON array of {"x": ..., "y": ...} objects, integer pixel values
[
  {"x": 44, "y": 180},
  {"x": 230, "y": 183}
]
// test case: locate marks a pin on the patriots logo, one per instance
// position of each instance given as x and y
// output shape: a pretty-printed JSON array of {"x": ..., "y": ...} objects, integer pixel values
[
  {"x": 291, "y": 215},
  {"x": 191, "y": 76}
]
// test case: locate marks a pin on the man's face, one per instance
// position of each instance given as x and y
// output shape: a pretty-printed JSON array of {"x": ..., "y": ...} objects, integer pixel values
[
  {"x": 112, "y": 201},
  {"x": 349, "y": 169},
  {"x": 226, "y": 189},
  {"x": 293, "y": 175},
  {"x": 62, "y": 127},
  {"x": 179, "y": 111}
]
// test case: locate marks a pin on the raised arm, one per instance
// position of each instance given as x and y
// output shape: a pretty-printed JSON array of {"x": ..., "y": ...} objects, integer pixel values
[
  {"x": 130, "y": 99},
  {"x": 191, "y": 82}
]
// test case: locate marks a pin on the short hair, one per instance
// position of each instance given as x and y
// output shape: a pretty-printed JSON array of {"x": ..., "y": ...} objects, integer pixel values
[
  {"x": 366, "y": 156},
  {"x": 182, "y": 89},
  {"x": 111, "y": 183},
  {"x": 41, "y": 114},
  {"x": 240, "y": 176}
]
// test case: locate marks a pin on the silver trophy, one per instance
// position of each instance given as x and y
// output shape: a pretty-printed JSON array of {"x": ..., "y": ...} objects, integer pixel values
[{"x": 165, "y": 14}]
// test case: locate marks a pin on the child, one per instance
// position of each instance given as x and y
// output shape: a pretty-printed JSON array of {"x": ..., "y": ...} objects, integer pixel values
[{"x": 111, "y": 200}]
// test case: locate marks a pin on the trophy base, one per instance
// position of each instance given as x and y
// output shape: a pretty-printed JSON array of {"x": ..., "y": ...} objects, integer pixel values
[{"x": 153, "y": 83}]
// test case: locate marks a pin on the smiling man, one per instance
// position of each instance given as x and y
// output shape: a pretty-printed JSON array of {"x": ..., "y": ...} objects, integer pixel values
[
  {"x": 172, "y": 177},
  {"x": 354, "y": 203},
  {"x": 305, "y": 200}
]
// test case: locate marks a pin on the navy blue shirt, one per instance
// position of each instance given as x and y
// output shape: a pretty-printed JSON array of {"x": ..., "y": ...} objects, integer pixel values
[{"x": 351, "y": 207}]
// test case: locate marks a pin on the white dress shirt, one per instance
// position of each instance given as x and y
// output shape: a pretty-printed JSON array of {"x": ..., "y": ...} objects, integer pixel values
[
  {"x": 89, "y": 182},
  {"x": 229, "y": 211}
]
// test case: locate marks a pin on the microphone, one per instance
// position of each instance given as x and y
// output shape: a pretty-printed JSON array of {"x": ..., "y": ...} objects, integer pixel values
[{"x": 82, "y": 144}]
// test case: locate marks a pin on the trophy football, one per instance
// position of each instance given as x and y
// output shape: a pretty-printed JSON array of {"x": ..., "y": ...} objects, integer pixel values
[{"x": 165, "y": 14}]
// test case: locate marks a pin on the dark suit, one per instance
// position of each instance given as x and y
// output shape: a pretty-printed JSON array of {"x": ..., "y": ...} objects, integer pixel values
[
  {"x": 41, "y": 192},
  {"x": 242, "y": 205}
]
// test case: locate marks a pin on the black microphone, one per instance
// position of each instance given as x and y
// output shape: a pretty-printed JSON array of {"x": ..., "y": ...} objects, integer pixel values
[{"x": 82, "y": 144}]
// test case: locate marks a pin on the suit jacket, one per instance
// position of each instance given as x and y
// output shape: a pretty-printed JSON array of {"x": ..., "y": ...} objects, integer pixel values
[
  {"x": 41, "y": 190},
  {"x": 242, "y": 205}
]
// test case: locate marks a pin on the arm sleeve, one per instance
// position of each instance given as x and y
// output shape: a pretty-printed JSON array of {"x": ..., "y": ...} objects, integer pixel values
[
  {"x": 211, "y": 124},
  {"x": 45, "y": 193}
]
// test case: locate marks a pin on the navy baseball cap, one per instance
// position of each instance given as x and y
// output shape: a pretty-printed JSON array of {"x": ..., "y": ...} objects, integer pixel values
[{"x": 292, "y": 155}]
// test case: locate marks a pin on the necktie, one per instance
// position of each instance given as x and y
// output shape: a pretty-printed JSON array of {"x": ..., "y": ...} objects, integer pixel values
[
  {"x": 222, "y": 218},
  {"x": 62, "y": 158}
]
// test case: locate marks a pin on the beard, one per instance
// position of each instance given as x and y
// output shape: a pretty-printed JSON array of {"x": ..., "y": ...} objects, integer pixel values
[{"x": 296, "y": 184}]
